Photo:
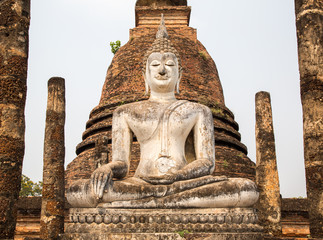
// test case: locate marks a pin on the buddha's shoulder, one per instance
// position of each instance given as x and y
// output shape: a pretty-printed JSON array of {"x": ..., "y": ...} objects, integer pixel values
[
  {"x": 149, "y": 106},
  {"x": 131, "y": 108},
  {"x": 197, "y": 107}
]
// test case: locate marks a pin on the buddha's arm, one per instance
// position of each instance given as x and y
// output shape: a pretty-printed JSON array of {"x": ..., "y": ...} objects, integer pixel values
[
  {"x": 204, "y": 149},
  {"x": 121, "y": 142},
  {"x": 118, "y": 168}
]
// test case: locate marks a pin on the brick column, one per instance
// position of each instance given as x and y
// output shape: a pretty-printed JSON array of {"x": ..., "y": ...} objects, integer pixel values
[
  {"x": 52, "y": 212},
  {"x": 269, "y": 204},
  {"x": 14, "y": 26},
  {"x": 309, "y": 23}
]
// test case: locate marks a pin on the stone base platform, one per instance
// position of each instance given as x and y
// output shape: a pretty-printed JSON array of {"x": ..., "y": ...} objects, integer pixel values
[
  {"x": 140, "y": 224},
  {"x": 163, "y": 236}
]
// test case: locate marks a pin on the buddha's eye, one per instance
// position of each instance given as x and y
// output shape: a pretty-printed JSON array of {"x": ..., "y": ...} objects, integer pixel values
[
  {"x": 155, "y": 63},
  {"x": 170, "y": 63}
]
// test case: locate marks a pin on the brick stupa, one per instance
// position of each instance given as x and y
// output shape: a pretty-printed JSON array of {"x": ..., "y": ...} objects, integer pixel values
[{"x": 124, "y": 84}]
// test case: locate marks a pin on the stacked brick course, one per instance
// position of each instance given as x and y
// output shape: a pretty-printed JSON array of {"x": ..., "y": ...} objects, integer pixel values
[{"x": 200, "y": 83}]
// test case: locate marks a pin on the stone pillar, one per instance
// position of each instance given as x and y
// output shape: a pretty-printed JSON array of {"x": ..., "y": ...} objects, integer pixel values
[
  {"x": 52, "y": 212},
  {"x": 309, "y": 23},
  {"x": 269, "y": 204},
  {"x": 14, "y": 25}
]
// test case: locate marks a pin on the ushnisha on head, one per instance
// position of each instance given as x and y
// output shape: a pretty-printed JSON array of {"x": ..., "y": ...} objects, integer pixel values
[{"x": 162, "y": 61}]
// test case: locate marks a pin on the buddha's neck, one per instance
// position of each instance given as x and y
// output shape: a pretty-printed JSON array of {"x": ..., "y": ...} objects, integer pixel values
[{"x": 162, "y": 97}]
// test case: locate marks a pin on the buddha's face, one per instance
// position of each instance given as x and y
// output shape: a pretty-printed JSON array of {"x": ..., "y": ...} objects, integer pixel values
[{"x": 162, "y": 73}]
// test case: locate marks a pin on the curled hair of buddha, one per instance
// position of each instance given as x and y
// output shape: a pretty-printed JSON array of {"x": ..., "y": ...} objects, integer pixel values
[{"x": 161, "y": 44}]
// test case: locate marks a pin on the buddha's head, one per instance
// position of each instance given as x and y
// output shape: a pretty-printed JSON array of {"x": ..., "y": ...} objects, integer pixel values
[{"x": 162, "y": 65}]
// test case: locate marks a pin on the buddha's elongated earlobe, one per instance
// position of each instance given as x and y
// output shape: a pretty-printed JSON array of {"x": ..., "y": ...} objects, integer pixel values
[
  {"x": 177, "y": 86},
  {"x": 147, "y": 89},
  {"x": 179, "y": 79},
  {"x": 146, "y": 84}
]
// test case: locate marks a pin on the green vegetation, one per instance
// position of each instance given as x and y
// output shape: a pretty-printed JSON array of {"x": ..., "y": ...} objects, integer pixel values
[
  {"x": 29, "y": 188},
  {"x": 225, "y": 163},
  {"x": 203, "y": 55},
  {"x": 122, "y": 103},
  {"x": 217, "y": 111},
  {"x": 115, "y": 46},
  {"x": 183, "y": 233},
  {"x": 240, "y": 155},
  {"x": 203, "y": 100}
]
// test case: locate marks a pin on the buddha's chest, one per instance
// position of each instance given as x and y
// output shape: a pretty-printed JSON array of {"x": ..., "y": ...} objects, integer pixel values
[{"x": 160, "y": 123}]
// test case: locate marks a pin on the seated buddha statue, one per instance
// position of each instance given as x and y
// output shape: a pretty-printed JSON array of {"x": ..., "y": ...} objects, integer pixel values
[{"x": 164, "y": 178}]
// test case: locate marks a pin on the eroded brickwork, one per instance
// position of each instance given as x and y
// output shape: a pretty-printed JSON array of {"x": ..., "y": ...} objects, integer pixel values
[
  {"x": 200, "y": 83},
  {"x": 161, "y": 3},
  {"x": 309, "y": 23},
  {"x": 52, "y": 215},
  {"x": 295, "y": 222},
  {"x": 14, "y": 25},
  {"x": 269, "y": 204}
]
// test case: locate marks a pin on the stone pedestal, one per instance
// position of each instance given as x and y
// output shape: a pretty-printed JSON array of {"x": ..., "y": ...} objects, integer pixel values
[
  {"x": 164, "y": 236},
  {"x": 135, "y": 224}
]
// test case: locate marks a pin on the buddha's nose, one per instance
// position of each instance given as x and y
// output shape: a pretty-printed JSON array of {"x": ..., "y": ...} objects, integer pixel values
[{"x": 162, "y": 70}]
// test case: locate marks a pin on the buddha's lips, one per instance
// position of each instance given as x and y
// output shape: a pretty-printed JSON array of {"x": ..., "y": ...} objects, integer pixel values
[{"x": 159, "y": 77}]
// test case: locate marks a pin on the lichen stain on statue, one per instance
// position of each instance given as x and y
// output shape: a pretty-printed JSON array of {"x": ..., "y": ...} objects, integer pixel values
[{"x": 164, "y": 178}]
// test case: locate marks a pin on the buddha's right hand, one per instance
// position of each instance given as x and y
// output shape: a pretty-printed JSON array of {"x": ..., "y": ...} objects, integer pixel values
[
  {"x": 99, "y": 179},
  {"x": 163, "y": 179}
]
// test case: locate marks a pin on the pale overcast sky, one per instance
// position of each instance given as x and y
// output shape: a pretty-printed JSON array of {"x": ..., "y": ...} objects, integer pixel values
[{"x": 253, "y": 43}]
